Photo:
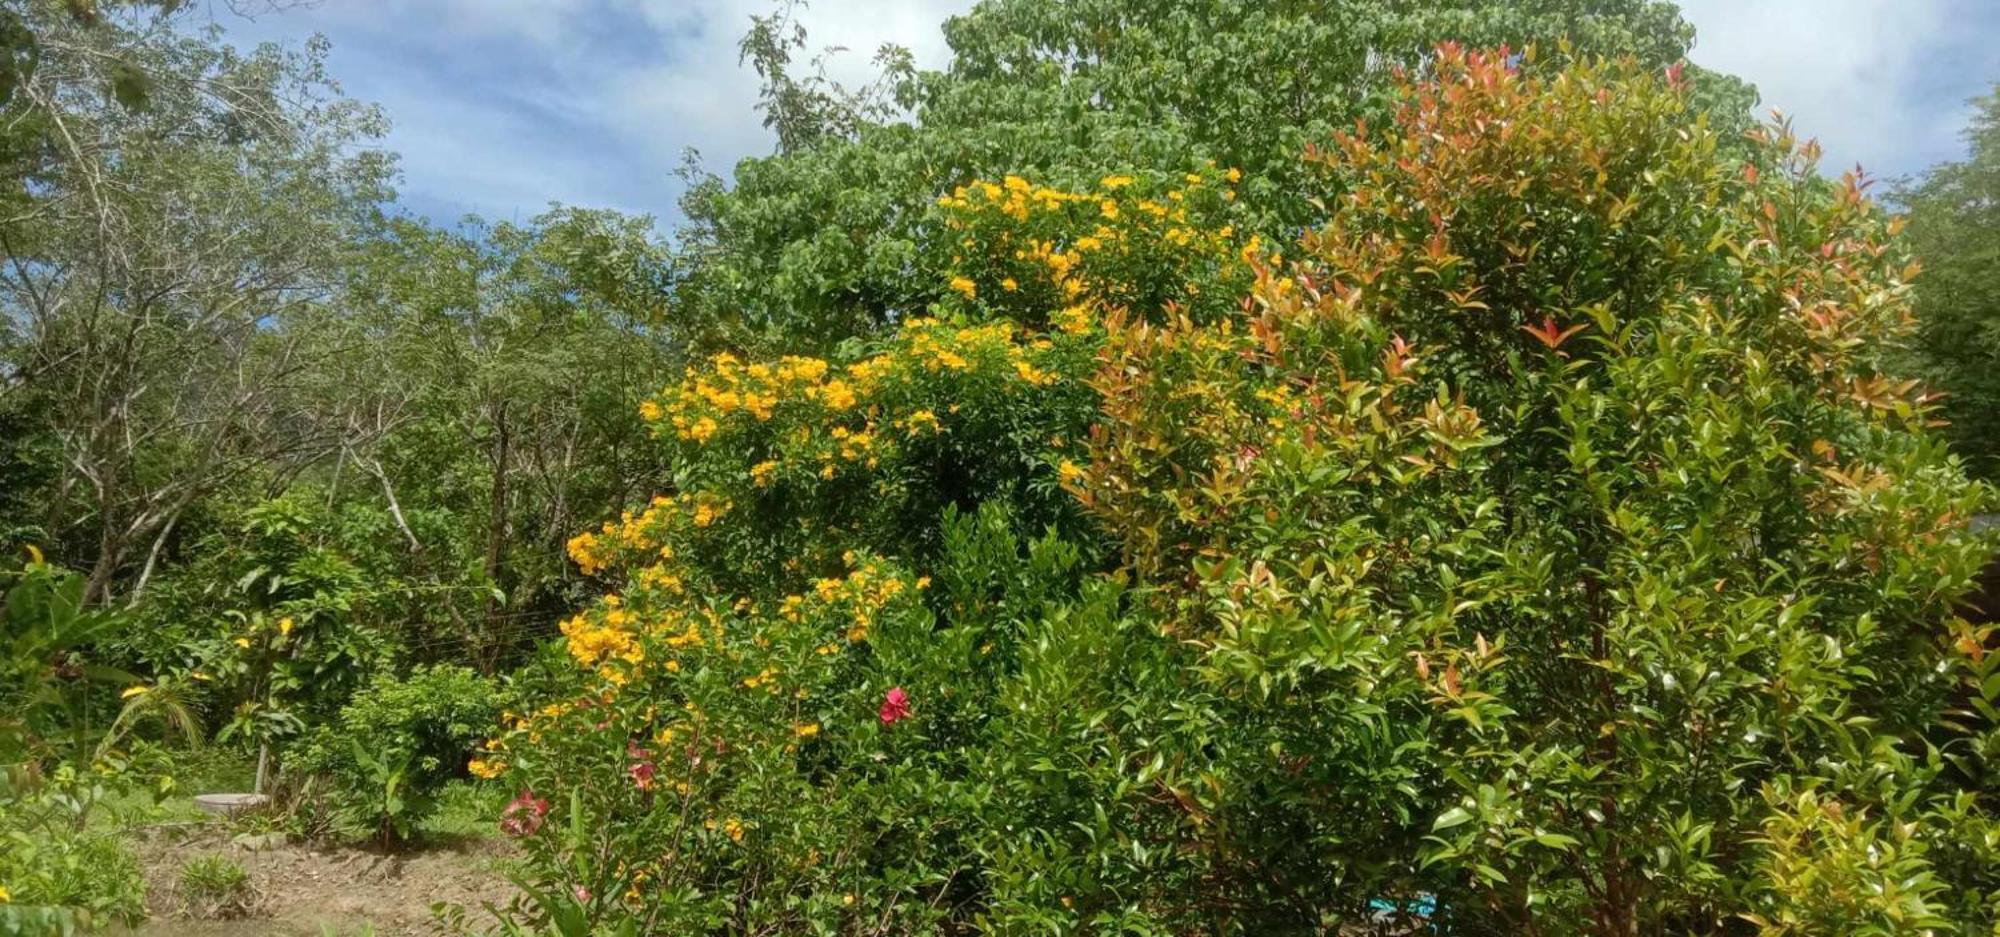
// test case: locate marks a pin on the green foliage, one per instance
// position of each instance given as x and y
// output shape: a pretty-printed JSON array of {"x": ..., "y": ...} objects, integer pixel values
[
  {"x": 1954, "y": 215},
  {"x": 214, "y": 887},
  {"x": 48, "y": 677},
  {"x": 395, "y": 745},
  {"x": 167, "y": 263},
  {"x": 59, "y": 873},
  {"x": 833, "y": 236},
  {"x": 1542, "y": 548},
  {"x": 437, "y": 714},
  {"x": 497, "y": 414},
  {"x": 274, "y": 621},
  {"x": 56, "y": 690},
  {"x": 1546, "y": 482}
]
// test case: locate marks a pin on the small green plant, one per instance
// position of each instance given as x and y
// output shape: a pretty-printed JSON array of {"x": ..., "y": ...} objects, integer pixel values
[
  {"x": 61, "y": 875},
  {"x": 391, "y": 804},
  {"x": 392, "y": 750},
  {"x": 215, "y": 887}
]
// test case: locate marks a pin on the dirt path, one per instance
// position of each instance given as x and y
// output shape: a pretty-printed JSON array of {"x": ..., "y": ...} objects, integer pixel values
[{"x": 311, "y": 892}]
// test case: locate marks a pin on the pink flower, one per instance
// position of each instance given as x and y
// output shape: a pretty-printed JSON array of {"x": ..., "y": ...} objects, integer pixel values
[
  {"x": 895, "y": 705},
  {"x": 524, "y": 815},
  {"x": 582, "y": 895}
]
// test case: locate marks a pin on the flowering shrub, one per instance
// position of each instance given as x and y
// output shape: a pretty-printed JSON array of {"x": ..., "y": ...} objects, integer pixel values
[
  {"x": 1561, "y": 477},
  {"x": 1541, "y": 549},
  {"x": 755, "y": 717}
]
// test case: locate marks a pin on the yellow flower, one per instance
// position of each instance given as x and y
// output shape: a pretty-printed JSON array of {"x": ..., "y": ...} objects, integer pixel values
[
  {"x": 1032, "y": 374},
  {"x": 1115, "y": 182},
  {"x": 963, "y": 285},
  {"x": 243, "y": 642},
  {"x": 650, "y": 412},
  {"x": 837, "y": 394},
  {"x": 706, "y": 512},
  {"x": 734, "y": 828},
  {"x": 806, "y": 730},
  {"x": 701, "y": 431},
  {"x": 1074, "y": 319},
  {"x": 486, "y": 768},
  {"x": 760, "y": 473},
  {"x": 1234, "y": 174},
  {"x": 132, "y": 691},
  {"x": 4, "y": 897},
  {"x": 285, "y": 625},
  {"x": 1069, "y": 471},
  {"x": 1009, "y": 285}
]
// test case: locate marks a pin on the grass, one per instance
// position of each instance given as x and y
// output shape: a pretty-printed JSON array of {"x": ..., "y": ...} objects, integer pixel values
[
  {"x": 466, "y": 810},
  {"x": 215, "y": 887},
  {"x": 195, "y": 771}
]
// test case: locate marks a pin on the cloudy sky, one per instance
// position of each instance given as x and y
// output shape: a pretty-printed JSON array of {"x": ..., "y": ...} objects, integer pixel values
[{"x": 501, "y": 106}]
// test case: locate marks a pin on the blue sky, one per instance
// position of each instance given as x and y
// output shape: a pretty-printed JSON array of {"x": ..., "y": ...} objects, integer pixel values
[{"x": 502, "y": 106}]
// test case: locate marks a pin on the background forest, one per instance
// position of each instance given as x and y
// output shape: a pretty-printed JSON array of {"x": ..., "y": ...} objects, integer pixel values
[{"x": 1178, "y": 468}]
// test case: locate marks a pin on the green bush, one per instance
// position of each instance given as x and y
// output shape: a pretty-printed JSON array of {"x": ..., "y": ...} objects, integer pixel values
[
  {"x": 396, "y": 744},
  {"x": 1537, "y": 547},
  {"x": 57, "y": 873}
]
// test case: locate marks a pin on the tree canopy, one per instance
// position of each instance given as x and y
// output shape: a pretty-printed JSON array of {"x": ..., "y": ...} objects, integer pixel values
[
  {"x": 832, "y": 235},
  {"x": 1954, "y": 212}
]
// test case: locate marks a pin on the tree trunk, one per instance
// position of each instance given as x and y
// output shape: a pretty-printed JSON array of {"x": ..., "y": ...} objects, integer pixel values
[{"x": 496, "y": 539}]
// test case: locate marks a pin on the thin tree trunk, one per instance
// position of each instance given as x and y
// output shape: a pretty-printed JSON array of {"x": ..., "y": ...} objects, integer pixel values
[
  {"x": 496, "y": 536},
  {"x": 395, "y": 508},
  {"x": 152, "y": 559},
  {"x": 110, "y": 552}
]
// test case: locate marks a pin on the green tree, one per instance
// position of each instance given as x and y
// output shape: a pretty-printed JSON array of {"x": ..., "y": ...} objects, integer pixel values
[
  {"x": 489, "y": 407},
  {"x": 834, "y": 234},
  {"x": 165, "y": 261},
  {"x": 1954, "y": 215}
]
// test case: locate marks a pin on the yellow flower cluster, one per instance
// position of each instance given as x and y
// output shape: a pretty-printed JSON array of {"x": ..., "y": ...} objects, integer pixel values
[
  {"x": 839, "y": 415},
  {"x": 646, "y": 532},
  {"x": 1091, "y": 248},
  {"x": 728, "y": 386},
  {"x": 592, "y": 639},
  {"x": 861, "y": 595},
  {"x": 1014, "y": 197},
  {"x": 486, "y": 769}
]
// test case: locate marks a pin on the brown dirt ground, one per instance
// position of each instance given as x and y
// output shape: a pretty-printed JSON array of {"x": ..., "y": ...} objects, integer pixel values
[{"x": 305, "y": 891}]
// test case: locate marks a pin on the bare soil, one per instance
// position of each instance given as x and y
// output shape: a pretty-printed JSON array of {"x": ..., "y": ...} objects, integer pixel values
[{"x": 306, "y": 891}]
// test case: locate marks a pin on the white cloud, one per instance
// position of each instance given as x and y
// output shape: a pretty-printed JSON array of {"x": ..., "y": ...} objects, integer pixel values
[
  {"x": 1853, "y": 73},
  {"x": 644, "y": 79},
  {"x": 502, "y": 105},
  {"x": 700, "y": 96}
]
